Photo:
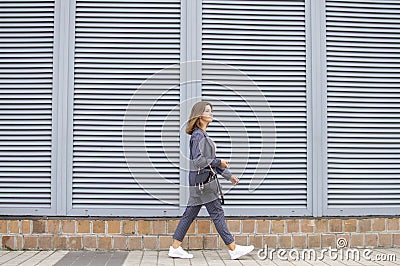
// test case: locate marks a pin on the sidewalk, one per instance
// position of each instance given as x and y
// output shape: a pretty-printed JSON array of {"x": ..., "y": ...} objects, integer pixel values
[{"x": 151, "y": 258}]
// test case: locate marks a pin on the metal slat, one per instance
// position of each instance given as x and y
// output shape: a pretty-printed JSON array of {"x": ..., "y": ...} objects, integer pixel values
[
  {"x": 122, "y": 44},
  {"x": 363, "y": 106},
  {"x": 269, "y": 50},
  {"x": 25, "y": 113}
]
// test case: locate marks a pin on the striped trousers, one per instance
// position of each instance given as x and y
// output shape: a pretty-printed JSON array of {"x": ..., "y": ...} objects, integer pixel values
[{"x": 216, "y": 212}]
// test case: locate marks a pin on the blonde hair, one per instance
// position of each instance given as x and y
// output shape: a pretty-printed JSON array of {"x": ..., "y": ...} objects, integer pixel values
[{"x": 195, "y": 115}]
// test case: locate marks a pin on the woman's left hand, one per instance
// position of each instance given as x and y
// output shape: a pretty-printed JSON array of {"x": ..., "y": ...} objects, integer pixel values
[{"x": 234, "y": 180}]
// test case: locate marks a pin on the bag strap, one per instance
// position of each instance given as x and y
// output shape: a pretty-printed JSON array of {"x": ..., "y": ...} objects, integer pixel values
[
  {"x": 212, "y": 170},
  {"x": 220, "y": 192},
  {"x": 219, "y": 186}
]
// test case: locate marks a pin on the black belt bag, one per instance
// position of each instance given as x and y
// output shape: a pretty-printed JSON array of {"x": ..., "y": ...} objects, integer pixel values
[{"x": 207, "y": 182}]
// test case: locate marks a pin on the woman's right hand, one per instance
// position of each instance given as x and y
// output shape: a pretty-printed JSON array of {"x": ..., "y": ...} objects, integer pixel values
[
  {"x": 234, "y": 180},
  {"x": 224, "y": 164}
]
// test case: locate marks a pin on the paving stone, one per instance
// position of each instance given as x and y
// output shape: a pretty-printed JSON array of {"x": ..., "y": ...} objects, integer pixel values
[
  {"x": 69, "y": 258},
  {"x": 21, "y": 258},
  {"x": 9, "y": 256},
  {"x": 100, "y": 259},
  {"x": 117, "y": 258},
  {"x": 53, "y": 258},
  {"x": 133, "y": 258},
  {"x": 37, "y": 258}
]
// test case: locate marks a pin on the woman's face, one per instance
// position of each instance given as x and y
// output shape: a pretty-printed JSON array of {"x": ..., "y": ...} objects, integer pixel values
[{"x": 207, "y": 115}]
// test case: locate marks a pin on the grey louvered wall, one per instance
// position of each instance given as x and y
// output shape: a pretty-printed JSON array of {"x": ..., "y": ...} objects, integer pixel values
[
  {"x": 119, "y": 45},
  {"x": 363, "y": 65},
  {"x": 26, "y": 76},
  {"x": 124, "y": 126},
  {"x": 257, "y": 53}
]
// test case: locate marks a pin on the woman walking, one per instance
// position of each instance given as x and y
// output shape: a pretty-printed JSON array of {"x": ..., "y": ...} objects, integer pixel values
[{"x": 203, "y": 159}]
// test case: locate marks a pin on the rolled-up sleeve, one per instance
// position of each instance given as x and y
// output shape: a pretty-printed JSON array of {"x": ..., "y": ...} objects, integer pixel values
[
  {"x": 226, "y": 173},
  {"x": 197, "y": 149}
]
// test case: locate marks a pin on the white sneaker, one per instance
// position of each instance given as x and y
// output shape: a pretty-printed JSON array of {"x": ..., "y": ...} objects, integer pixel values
[
  {"x": 179, "y": 253},
  {"x": 240, "y": 251}
]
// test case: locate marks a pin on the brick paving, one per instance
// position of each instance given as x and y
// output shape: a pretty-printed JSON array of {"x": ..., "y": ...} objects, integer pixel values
[{"x": 201, "y": 257}]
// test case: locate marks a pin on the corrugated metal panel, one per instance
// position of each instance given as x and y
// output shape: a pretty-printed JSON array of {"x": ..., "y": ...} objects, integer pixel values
[
  {"x": 262, "y": 41},
  {"x": 26, "y": 69},
  {"x": 363, "y": 61},
  {"x": 119, "y": 45}
]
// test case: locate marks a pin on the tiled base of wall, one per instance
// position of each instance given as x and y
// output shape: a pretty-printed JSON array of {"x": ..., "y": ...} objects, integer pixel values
[{"x": 156, "y": 234}]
